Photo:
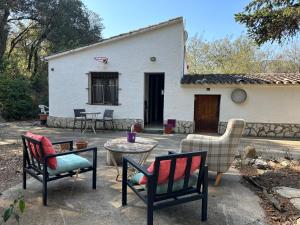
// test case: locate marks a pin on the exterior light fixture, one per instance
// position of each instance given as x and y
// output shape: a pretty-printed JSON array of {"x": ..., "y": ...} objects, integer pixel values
[{"x": 152, "y": 58}]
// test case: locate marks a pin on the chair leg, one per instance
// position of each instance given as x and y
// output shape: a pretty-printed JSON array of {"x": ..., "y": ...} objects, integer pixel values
[
  {"x": 205, "y": 195},
  {"x": 124, "y": 183},
  {"x": 204, "y": 208},
  {"x": 24, "y": 179},
  {"x": 150, "y": 213},
  {"x": 74, "y": 122},
  {"x": 94, "y": 169},
  {"x": 218, "y": 178},
  {"x": 45, "y": 192}
]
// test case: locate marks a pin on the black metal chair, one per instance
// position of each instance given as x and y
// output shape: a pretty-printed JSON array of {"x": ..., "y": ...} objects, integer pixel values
[
  {"x": 79, "y": 117},
  {"x": 40, "y": 172},
  {"x": 107, "y": 117},
  {"x": 185, "y": 194}
]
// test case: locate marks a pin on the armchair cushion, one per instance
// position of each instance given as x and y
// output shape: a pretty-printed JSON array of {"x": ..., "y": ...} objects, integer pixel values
[
  {"x": 164, "y": 169},
  {"x": 47, "y": 147},
  {"x": 68, "y": 163},
  {"x": 163, "y": 188}
]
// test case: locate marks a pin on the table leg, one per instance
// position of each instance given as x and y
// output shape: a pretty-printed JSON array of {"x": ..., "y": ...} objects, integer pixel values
[
  {"x": 115, "y": 164},
  {"x": 92, "y": 126},
  {"x": 143, "y": 158}
]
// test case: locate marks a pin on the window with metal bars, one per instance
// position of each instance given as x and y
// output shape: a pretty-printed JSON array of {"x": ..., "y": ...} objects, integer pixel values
[{"x": 104, "y": 88}]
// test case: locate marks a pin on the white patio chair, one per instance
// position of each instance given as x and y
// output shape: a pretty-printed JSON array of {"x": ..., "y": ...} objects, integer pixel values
[{"x": 44, "y": 109}]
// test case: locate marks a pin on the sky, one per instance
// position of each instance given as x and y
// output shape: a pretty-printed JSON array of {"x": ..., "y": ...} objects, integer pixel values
[{"x": 210, "y": 19}]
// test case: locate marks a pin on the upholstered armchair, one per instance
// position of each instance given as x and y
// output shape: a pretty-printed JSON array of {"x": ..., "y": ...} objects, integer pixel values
[{"x": 221, "y": 150}]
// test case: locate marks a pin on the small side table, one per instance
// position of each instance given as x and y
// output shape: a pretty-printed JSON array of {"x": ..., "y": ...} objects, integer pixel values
[
  {"x": 90, "y": 120},
  {"x": 119, "y": 146}
]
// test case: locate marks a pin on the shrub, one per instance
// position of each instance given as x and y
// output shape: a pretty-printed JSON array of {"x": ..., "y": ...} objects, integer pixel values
[{"x": 15, "y": 97}]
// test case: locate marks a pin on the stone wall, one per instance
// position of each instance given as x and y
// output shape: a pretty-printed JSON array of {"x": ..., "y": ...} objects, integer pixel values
[
  {"x": 186, "y": 127},
  {"x": 267, "y": 129},
  {"x": 119, "y": 124}
]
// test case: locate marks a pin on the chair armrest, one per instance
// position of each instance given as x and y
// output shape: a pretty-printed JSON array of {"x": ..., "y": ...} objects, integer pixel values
[
  {"x": 94, "y": 149},
  {"x": 171, "y": 152},
  {"x": 202, "y": 137},
  {"x": 137, "y": 166},
  {"x": 192, "y": 145}
]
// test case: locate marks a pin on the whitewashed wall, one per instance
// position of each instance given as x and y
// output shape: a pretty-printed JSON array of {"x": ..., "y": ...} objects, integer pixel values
[
  {"x": 264, "y": 104},
  {"x": 131, "y": 57}
]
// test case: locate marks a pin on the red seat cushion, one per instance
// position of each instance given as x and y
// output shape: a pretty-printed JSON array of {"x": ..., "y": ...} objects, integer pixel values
[
  {"x": 164, "y": 169},
  {"x": 47, "y": 147}
]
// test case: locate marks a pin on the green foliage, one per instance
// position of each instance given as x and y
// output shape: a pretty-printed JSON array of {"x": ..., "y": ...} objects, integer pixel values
[
  {"x": 13, "y": 210},
  {"x": 241, "y": 55},
  {"x": 15, "y": 97},
  {"x": 223, "y": 56},
  {"x": 271, "y": 20},
  {"x": 30, "y": 30}
]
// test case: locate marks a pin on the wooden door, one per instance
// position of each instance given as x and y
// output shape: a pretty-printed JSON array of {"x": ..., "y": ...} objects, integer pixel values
[{"x": 206, "y": 113}]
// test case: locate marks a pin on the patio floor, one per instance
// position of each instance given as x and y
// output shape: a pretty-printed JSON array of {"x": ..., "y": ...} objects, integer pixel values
[{"x": 74, "y": 202}]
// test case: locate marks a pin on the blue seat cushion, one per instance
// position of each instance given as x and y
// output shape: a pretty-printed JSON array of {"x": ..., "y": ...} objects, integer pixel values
[
  {"x": 163, "y": 188},
  {"x": 66, "y": 163}
]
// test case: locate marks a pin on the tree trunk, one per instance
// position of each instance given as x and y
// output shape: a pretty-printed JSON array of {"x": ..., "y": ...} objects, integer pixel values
[{"x": 4, "y": 29}]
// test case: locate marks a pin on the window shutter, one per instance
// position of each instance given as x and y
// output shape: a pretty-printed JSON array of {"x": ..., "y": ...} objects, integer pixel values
[{"x": 89, "y": 88}]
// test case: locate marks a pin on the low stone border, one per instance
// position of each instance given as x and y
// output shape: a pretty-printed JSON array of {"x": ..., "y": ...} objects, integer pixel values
[{"x": 267, "y": 129}]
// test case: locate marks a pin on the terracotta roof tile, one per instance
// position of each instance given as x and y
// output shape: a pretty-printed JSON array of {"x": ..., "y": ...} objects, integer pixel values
[{"x": 261, "y": 78}]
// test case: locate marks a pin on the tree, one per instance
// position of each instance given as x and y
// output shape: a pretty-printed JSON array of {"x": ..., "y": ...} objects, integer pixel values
[
  {"x": 223, "y": 56},
  {"x": 32, "y": 29},
  {"x": 11, "y": 12},
  {"x": 271, "y": 20}
]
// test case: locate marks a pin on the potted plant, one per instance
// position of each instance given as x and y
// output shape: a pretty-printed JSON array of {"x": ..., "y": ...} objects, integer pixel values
[
  {"x": 80, "y": 144},
  {"x": 43, "y": 118},
  {"x": 169, "y": 126},
  {"x": 137, "y": 127},
  {"x": 168, "y": 129}
]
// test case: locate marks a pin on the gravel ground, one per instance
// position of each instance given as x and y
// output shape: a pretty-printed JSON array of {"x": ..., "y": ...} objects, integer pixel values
[{"x": 10, "y": 165}]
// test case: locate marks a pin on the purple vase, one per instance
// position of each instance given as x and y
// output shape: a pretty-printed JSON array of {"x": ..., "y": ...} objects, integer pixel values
[{"x": 131, "y": 137}]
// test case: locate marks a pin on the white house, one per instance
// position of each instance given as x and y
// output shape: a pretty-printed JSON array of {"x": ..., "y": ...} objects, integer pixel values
[{"x": 141, "y": 76}]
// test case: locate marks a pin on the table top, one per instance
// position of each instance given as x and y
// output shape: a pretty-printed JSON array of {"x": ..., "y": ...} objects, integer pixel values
[{"x": 120, "y": 145}]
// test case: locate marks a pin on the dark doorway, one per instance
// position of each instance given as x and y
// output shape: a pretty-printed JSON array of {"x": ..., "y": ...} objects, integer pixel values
[
  {"x": 154, "y": 98},
  {"x": 206, "y": 113}
]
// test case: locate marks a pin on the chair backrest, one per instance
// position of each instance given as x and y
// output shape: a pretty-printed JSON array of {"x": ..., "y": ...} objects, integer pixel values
[
  {"x": 186, "y": 189},
  {"x": 234, "y": 131},
  {"x": 108, "y": 113},
  {"x": 29, "y": 147},
  {"x": 77, "y": 112},
  {"x": 44, "y": 109}
]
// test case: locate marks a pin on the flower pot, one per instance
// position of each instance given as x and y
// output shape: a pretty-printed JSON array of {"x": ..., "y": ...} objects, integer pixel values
[
  {"x": 131, "y": 137},
  {"x": 81, "y": 144},
  {"x": 43, "y": 118},
  {"x": 168, "y": 130},
  {"x": 64, "y": 147},
  {"x": 137, "y": 128}
]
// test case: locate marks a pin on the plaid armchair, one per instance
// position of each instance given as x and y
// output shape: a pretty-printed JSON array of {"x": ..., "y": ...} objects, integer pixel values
[{"x": 221, "y": 150}]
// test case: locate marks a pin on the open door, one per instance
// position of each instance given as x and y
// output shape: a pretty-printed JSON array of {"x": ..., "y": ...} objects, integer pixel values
[
  {"x": 154, "y": 99},
  {"x": 206, "y": 113}
]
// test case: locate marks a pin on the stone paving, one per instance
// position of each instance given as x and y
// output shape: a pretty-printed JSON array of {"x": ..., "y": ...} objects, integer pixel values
[
  {"x": 74, "y": 202},
  {"x": 293, "y": 194}
]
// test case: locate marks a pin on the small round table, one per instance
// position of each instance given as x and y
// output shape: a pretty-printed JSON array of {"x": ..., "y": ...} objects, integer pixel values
[
  {"x": 90, "y": 119},
  {"x": 120, "y": 146}
]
